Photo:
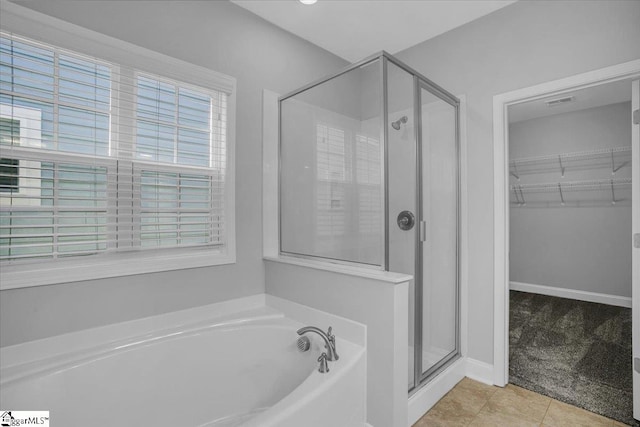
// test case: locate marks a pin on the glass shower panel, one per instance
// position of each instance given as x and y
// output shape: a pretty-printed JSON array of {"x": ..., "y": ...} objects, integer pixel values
[
  {"x": 331, "y": 169},
  {"x": 440, "y": 240},
  {"x": 401, "y": 154},
  {"x": 337, "y": 138}
]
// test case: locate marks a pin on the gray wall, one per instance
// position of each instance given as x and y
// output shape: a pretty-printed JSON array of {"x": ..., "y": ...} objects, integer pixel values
[
  {"x": 520, "y": 45},
  {"x": 225, "y": 38},
  {"x": 585, "y": 244}
]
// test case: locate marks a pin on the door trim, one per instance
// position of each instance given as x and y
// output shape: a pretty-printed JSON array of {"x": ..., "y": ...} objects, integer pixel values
[
  {"x": 635, "y": 257},
  {"x": 501, "y": 102}
]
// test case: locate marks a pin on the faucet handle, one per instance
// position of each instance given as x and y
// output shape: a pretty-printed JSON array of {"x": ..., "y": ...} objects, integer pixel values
[
  {"x": 331, "y": 337},
  {"x": 324, "y": 366},
  {"x": 332, "y": 341}
]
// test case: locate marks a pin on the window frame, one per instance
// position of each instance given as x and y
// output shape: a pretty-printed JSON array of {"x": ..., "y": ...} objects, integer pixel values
[{"x": 23, "y": 22}]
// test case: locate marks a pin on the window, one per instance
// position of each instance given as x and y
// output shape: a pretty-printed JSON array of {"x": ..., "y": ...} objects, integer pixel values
[
  {"x": 178, "y": 126},
  {"x": 101, "y": 161},
  {"x": 9, "y": 175}
]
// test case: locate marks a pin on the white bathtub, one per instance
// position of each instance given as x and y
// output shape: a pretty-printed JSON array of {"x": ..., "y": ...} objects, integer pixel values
[{"x": 239, "y": 369}]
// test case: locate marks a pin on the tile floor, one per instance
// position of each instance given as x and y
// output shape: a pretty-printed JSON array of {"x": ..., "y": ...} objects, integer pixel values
[{"x": 471, "y": 403}]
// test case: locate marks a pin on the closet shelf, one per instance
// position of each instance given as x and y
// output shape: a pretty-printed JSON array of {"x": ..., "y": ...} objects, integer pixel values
[
  {"x": 560, "y": 188},
  {"x": 614, "y": 158},
  {"x": 586, "y": 185}
]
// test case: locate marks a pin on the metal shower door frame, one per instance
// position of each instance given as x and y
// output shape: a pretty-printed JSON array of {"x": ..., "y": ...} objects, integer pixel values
[{"x": 420, "y": 378}]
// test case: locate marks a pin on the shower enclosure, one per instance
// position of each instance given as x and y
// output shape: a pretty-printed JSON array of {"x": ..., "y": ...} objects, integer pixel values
[{"x": 369, "y": 176}]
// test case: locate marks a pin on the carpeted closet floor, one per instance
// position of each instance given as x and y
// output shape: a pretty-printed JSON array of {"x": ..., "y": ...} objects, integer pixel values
[{"x": 573, "y": 351}]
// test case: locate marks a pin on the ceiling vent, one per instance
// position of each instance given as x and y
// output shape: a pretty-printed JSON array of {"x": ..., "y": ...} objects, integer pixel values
[{"x": 559, "y": 101}]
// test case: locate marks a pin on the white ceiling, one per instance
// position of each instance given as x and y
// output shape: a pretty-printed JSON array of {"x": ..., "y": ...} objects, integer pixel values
[
  {"x": 355, "y": 29},
  {"x": 596, "y": 96}
]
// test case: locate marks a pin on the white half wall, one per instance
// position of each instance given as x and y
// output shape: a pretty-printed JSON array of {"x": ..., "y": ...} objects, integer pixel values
[{"x": 379, "y": 304}]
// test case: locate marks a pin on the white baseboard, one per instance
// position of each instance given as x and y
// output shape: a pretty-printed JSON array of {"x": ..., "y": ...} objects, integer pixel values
[
  {"x": 479, "y": 371},
  {"x": 424, "y": 399},
  {"x": 571, "y": 294}
]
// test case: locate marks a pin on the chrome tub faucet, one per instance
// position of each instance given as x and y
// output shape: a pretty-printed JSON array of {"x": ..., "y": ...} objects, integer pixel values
[{"x": 329, "y": 344}]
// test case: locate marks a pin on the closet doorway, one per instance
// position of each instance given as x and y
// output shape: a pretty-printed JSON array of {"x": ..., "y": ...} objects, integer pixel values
[
  {"x": 565, "y": 258},
  {"x": 570, "y": 262}
]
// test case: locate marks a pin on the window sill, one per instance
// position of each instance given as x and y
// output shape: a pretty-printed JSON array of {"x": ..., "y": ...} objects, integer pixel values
[
  {"x": 108, "y": 266},
  {"x": 369, "y": 273}
]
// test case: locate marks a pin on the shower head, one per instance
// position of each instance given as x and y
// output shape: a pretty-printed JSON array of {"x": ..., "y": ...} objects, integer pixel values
[{"x": 400, "y": 121}]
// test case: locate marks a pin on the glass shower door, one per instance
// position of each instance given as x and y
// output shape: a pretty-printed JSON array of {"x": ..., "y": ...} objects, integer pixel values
[{"x": 438, "y": 247}]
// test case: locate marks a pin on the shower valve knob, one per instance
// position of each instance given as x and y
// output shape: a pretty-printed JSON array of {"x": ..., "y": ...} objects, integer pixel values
[{"x": 406, "y": 220}]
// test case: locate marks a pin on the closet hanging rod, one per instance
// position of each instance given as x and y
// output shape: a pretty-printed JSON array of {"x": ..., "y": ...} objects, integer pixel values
[
  {"x": 587, "y": 185},
  {"x": 577, "y": 155}
]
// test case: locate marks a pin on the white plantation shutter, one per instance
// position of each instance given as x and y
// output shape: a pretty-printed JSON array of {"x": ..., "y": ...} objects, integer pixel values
[
  {"x": 99, "y": 158},
  {"x": 179, "y": 165}
]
